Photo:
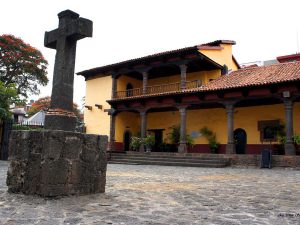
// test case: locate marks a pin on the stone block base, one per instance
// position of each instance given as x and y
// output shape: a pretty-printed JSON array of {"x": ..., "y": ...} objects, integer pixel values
[
  {"x": 59, "y": 122},
  {"x": 182, "y": 148},
  {"x": 230, "y": 148},
  {"x": 56, "y": 163}
]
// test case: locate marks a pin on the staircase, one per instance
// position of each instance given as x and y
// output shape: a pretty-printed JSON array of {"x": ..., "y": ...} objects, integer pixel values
[{"x": 137, "y": 158}]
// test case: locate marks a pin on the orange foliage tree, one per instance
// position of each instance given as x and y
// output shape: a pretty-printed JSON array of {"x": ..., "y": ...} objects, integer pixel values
[
  {"x": 21, "y": 65},
  {"x": 44, "y": 104}
]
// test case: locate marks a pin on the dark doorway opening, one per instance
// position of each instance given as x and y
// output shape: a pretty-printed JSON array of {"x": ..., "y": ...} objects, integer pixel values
[
  {"x": 158, "y": 135},
  {"x": 126, "y": 141},
  {"x": 240, "y": 137},
  {"x": 129, "y": 91}
]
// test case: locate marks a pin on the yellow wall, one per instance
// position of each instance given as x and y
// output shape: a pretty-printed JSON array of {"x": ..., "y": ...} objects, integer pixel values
[
  {"x": 127, "y": 121},
  {"x": 124, "y": 80},
  {"x": 203, "y": 76},
  {"x": 222, "y": 57},
  {"x": 98, "y": 90},
  {"x": 215, "y": 119},
  {"x": 163, "y": 120}
]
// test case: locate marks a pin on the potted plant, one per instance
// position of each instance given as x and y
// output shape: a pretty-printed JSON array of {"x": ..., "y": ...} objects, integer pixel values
[
  {"x": 135, "y": 143},
  {"x": 149, "y": 142},
  {"x": 174, "y": 137},
  {"x": 282, "y": 140},
  {"x": 211, "y": 138},
  {"x": 296, "y": 139}
]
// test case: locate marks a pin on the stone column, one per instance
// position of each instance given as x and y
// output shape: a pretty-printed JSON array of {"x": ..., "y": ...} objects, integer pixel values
[
  {"x": 112, "y": 130},
  {"x": 183, "y": 69},
  {"x": 230, "y": 147},
  {"x": 145, "y": 82},
  {"x": 114, "y": 86},
  {"x": 289, "y": 146},
  {"x": 143, "y": 115},
  {"x": 182, "y": 148}
]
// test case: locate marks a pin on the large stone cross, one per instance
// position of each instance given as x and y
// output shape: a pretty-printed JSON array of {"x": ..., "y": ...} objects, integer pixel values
[{"x": 71, "y": 28}]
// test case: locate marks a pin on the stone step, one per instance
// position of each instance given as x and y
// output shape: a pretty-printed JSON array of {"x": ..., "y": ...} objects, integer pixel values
[
  {"x": 175, "y": 154},
  {"x": 174, "y": 159},
  {"x": 168, "y": 159},
  {"x": 200, "y": 156},
  {"x": 166, "y": 163}
]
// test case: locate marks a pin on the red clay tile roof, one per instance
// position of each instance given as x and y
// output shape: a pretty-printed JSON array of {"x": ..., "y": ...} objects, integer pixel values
[
  {"x": 207, "y": 47},
  {"x": 218, "y": 42},
  {"x": 257, "y": 76},
  {"x": 289, "y": 58},
  {"x": 176, "y": 52},
  {"x": 246, "y": 77},
  {"x": 119, "y": 65}
]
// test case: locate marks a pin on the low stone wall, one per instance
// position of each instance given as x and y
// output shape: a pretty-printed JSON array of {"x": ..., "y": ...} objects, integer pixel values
[
  {"x": 56, "y": 163},
  {"x": 255, "y": 160},
  {"x": 236, "y": 160}
]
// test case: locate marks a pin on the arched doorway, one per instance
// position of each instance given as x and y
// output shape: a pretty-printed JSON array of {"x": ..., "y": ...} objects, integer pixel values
[
  {"x": 126, "y": 141},
  {"x": 240, "y": 137},
  {"x": 129, "y": 88}
]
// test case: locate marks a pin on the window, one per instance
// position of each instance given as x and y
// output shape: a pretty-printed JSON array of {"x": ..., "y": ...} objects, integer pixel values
[
  {"x": 269, "y": 133},
  {"x": 268, "y": 130}
]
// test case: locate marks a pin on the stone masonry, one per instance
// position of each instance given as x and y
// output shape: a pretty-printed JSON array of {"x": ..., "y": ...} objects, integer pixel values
[
  {"x": 64, "y": 39},
  {"x": 55, "y": 163}
]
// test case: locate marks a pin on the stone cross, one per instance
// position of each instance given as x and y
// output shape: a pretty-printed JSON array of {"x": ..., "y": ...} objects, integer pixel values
[{"x": 71, "y": 28}]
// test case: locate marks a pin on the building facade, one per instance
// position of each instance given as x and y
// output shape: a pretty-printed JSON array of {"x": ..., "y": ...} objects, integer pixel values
[{"x": 195, "y": 87}]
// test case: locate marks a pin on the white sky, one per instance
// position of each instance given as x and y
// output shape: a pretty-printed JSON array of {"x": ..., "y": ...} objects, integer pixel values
[{"x": 126, "y": 29}]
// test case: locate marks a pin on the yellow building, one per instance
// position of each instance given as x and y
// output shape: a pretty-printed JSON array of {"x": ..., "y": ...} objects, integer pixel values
[{"x": 195, "y": 87}]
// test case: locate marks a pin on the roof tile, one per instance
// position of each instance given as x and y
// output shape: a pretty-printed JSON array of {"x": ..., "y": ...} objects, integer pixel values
[
  {"x": 255, "y": 76},
  {"x": 246, "y": 77}
]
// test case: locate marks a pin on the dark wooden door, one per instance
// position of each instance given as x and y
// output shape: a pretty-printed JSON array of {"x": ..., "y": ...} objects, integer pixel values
[
  {"x": 240, "y": 137},
  {"x": 127, "y": 137},
  {"x": 158, "y": 139},
  {"x": 158, "y": 135}
]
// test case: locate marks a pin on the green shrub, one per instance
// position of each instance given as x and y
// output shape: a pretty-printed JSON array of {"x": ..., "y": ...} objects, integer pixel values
[
  {"x": 174, "y": 136},
  {"x": 149, "y": 141},
  {"x": 135, "y": 143},
  {"x": 211, "y": 138}
]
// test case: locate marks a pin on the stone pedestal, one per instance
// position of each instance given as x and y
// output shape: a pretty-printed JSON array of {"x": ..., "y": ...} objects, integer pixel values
[{"x": 56, "y": 163}]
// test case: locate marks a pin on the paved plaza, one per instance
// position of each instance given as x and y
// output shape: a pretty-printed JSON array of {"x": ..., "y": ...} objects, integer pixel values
[{"x": 137, "y": 194}]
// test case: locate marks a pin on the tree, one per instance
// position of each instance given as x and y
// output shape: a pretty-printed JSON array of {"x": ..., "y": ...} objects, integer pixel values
[
  {"x": 44, "y": 104},
  {"x": 8, "y": 96},
  {"x": 22, "y": 65}
]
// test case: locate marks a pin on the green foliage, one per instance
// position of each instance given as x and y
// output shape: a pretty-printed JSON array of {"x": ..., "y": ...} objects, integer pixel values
[
  {"x": 296, "y": 139},
  {"x": 174, "y": 136},
  {"x": 211, "y": 138},
  {"x": 8, "y": 96},
  {"x": 25, "y": 127},
  {"x": 21, "y": 65},
  {"x": 135, "y": 143},
  {"x": 149, "y": 141},
  {"x": 189, "y": 140},
  {"x": 280, "y": 133}
]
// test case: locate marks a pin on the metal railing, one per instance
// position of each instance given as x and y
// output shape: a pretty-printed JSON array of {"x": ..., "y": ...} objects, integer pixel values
[
  {"x": 156, "y": 89},
  {"x": 128, "y": 93},
  {"x": 163, "y": 88}
]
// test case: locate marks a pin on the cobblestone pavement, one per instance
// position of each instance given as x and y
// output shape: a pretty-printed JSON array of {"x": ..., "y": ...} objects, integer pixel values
[{"x": 167, "y": 195}]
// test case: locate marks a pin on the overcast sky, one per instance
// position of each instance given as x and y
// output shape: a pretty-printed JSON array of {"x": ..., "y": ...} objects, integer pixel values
[{"x": 126, "y": 29}]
